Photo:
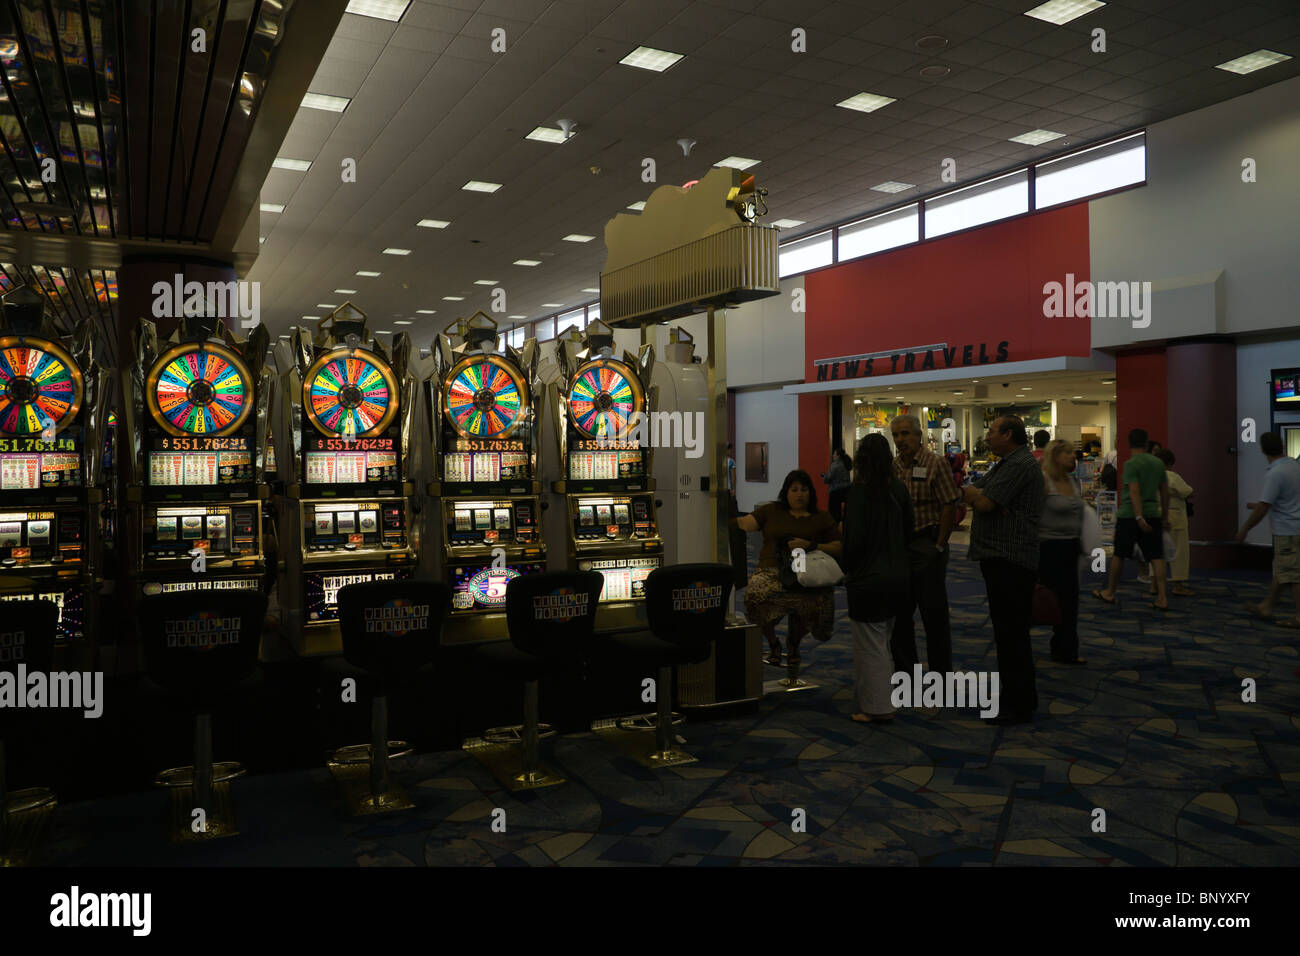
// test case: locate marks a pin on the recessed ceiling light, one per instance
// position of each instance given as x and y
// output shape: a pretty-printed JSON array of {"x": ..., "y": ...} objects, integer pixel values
[
  {"x": 935, "y": 71},
  {"x": 402, "y": 322},
  {"x": 272, "y": 207},
  {"x": 528, "y": 262},
  {"x": 320, "y": 101},
  {"x": 345, "y": 291},
  {"x": 485, "y": 281},
  {"x": 297, "y": 165},
  {"x": 548, "y": 134},
  {"x": 370, "y": 275},
  {"x": 453, "y": 298},
  {"x": 578, "y": 237},
  {"x": 596, "y": 291},
  {"x": 893, "y": 187},
  {"x": 1063, "y": 11},
  {"x": 638, "y": 206},
  {"x": 552, "y": 305},
  {"x": 788, "y": 223},
  {"x": 737, "y": 162},
  {"x": 327, "y": 305},
  {"x": 931, "y": 41},
  {"x": 866, "y": 102},
  {"x": 1252, "y": 62},
  {"x": 394, "y": 251},
  {"x": 1036, "y": 137},
  {"x": 426, "y": 311},
  {"x": 434, "y": 223},
  {"x": 648, "y": 58},
  {"x": 378, "y": 9},
  {"x": 475, "y": 186}
]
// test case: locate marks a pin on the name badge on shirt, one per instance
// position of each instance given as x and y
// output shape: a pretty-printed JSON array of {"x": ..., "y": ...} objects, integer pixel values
[{"x": 919, "y": 472}]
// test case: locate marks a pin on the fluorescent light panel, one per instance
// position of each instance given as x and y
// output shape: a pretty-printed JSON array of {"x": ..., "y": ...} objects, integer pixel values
[
  {"x": 866, "y": 102},
  {"x": 485, "y": 281},
  {"x": 475, "y": 186},
  {"x": 1252, "y": 62},
  {"x": 453, "y": 298},
  {"x": 789, "y": 223},
  {"x": 402, "y": 322},
  {"x": 434, "y": 223},
  {"x": 272, "y": 207},
  {"x": 297, "y": 165},
  {"x": 345, "y": 291},
  {"x": 648, "y": 58},
  {"x": 1063, "y": 11},
  {"x": 391, "y": 10},
  {"x": 638, "y": 206},
  {"x": 893, "y": 187},
  {"x": 578, "y": 237},
  {"x": 1036, "y": 137},
  {"x": 369, "y": 275},
  {"x": 426, "y": 311},
  {"x": 394, "y": 251},
  {"x": 737, "y": 162},
  {"x": 321, "y": 101},
  {"x": 528, "y": 262},
  {"x": 552, "y": 305},
  {"x": 547, "y": 134},
  {"x": 596, "y": 291}
]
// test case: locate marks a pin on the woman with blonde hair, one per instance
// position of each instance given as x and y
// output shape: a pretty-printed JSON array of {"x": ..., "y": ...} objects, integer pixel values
[{"x": 1059, "y": 532}]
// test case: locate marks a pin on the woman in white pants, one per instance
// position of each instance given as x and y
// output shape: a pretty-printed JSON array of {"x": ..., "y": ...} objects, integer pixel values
[
  {"x": 877, "y": 522},
  {"x": 1179, "y": 492}
]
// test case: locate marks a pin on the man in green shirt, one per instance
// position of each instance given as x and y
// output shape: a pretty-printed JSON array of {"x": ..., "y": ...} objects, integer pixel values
[{"x": 1141, "y": 518}]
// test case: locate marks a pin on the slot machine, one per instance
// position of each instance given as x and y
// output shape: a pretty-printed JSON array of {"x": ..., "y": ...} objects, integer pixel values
[
  {"x": 484, "y": 412},
  {"x": 53, "y": 402},
  {"x": 610, "y": 508},
  {"x": 195, "y": 421},
  {"x": 343, "y": 428}
]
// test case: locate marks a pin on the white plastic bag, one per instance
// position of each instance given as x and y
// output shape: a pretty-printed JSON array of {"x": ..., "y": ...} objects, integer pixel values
[
  {"x": 820, "y": 571},
  {"x": 1090, "y": 536}
]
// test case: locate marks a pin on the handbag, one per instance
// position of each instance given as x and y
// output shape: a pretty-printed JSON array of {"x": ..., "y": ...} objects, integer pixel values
[
  {"x": 820, "y": 571},
  {"x": 1046, "y": 608}
]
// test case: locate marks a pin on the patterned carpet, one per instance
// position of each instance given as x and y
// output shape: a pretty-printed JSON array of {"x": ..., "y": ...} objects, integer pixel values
[{"x": 1153, "y": 731}]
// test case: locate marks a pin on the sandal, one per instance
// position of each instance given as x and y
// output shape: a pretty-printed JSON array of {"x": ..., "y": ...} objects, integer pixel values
[
  {"x": 772, "y": 658},
  {"x": 1097, "y": 594}
]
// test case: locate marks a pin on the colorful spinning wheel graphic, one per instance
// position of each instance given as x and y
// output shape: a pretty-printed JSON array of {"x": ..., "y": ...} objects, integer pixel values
[
  {"x": 604, "y": 396},
  {"x": 40, "y": 386},
  {"x": 350, "y": 392},
  {"x": 199, "y": 388},
  {"x": 485, "y": 397}
]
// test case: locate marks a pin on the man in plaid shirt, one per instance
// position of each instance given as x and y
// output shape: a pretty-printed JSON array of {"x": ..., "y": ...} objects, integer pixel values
[
  {"x": 1008, "y": 503},
  {"x": 934, "y": 502}
]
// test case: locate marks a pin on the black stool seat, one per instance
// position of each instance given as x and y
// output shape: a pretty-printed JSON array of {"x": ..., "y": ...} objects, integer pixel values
[
  {"x": 645, "y": 646},
  {"x": 506, "y": 659}
]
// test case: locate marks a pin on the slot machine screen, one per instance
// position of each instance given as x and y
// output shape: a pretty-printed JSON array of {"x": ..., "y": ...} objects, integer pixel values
[
  {"x": 199, "y": 461},
  {"x": 342, "y": 461},
  {"x": 30, "y": 464},
  {"x": 624, "y": 577}
]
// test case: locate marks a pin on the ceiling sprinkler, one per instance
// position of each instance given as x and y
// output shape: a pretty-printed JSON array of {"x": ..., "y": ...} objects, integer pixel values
[
  {"x": 567, "y": 126},
  {"x": 687, "y": 144}
]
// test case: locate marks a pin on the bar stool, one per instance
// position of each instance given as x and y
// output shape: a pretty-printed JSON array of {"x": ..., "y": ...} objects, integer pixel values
[
  {"x": 27, "y": 637},
  {"x": 391, "y": 629},
  {"x": 201, "y": 648},
  {"x": 551, "y": 618},
  {"x": 686, "y": 605}
]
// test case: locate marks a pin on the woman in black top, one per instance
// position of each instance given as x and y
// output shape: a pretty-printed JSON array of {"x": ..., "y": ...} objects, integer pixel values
[{"x": 877, "y": 525}]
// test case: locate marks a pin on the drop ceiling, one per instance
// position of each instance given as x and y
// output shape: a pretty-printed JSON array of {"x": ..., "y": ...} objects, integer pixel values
[{"x": 1042, "y": 387}]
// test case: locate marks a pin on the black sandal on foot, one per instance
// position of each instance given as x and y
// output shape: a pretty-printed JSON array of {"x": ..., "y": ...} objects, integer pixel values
[{"x": 773, "y": 658}]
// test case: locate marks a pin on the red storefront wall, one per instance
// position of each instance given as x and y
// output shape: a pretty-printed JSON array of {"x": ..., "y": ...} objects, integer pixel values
[{"x": 980, "y": 287}]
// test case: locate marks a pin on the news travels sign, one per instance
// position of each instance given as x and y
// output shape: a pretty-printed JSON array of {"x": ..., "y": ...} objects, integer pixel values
[{"x": 923, "y": 358}]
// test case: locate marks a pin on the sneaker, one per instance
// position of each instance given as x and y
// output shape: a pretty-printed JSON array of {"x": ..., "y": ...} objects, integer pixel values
[{"x": 1144, "y": 579}]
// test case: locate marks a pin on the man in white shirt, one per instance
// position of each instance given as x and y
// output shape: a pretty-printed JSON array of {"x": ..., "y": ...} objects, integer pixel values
[{"x": 1280, "y": 500}]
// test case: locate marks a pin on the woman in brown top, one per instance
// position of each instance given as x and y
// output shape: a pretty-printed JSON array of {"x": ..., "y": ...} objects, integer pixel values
[{"x": 792, "y": 521}]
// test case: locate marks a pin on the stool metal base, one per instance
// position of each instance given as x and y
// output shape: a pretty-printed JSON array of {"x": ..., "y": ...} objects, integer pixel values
[
  {"x": 350, "y": 768},
  {"x": 514, "y": 734},
  {"x": 505, "y": 762},
  {"x": 644, "y": 723},
  {"x": 640, "y": 746},
  {"x": 787, "y": 685},
  {"x": 219, "y": 819},
  {"x": 27, "y": 814}
]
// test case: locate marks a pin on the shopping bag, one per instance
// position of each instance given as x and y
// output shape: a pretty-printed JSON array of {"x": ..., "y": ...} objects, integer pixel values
[{"x": 1090, "y": 536}]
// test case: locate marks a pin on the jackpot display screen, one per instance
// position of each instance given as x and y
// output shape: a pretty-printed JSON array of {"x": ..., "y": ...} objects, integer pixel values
[
  {"x": 328, "y": 461},
  {"x": 200, "y": 460},
  {"x": 322, "y": 589},
  {"x": 1286, "y": 388},
  {"x": 483, "y": 587},
  {"x": 29, "y": 463}
]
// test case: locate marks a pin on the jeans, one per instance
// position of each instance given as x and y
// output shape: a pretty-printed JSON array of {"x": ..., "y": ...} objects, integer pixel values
[
  {"x": 1011, "y": 593},
  {"x": 929, "y": 589},
  {"x": 872, "y": 666},
  {"x": 1058, "y": 569}
]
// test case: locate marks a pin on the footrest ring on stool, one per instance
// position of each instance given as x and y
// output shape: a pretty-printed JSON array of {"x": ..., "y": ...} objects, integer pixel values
[
  {"x": 359, "y": 754},
  {"x": 27, "y": 801},
  {"x": 222, "y": 772},
  {"x": 515, "y": 734},
  {"x": 645, "y": 723}
]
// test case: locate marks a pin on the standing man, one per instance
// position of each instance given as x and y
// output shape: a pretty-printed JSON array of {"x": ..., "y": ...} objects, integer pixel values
[
  {"x": 1142, "y": 515},
  {"x": 1280, "y": 500},
  {"x": 934, "y": 504},
  {"x": 1008, "y": 503},
  {"x": 1041, "y": 438}
]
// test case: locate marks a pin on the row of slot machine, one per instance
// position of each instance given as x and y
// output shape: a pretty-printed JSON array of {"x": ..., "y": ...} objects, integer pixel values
[{"x": 327, "y": 461}]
